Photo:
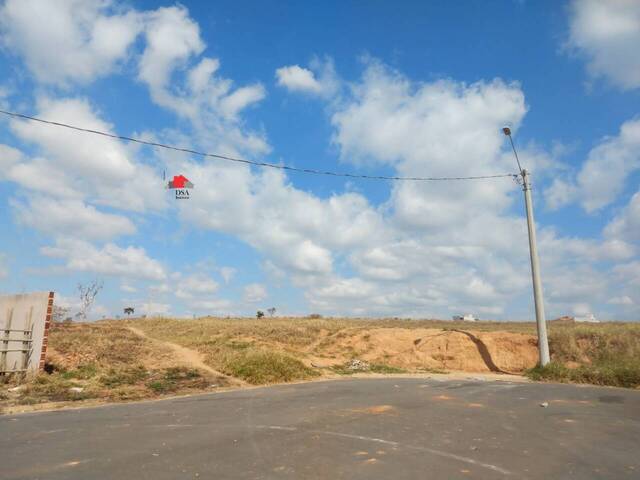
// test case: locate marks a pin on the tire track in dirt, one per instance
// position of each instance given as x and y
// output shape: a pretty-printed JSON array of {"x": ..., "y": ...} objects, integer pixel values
[{"x": 187, "y": 355}]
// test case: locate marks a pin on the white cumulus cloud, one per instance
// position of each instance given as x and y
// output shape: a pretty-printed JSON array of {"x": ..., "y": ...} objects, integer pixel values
[
  {"x": 72, "y": 218},
  {"x": 68, "y": 41},
  {"x": 603, "y": 175},
  {"x": 297, "y": 78},
  {"x": 193, "y": 90},
  {"x": 626, "y": 225},
  {"x": 255, "y": 292},
  {"x": 172, "y": 38},
  {"x": 320, "y": 79},
  {"x": 128, "y": 262},
  {"x": 607, "y": 32},
  {"x": 196, "y": 285},
  {"x": 81, "y": 165},
  {"x": 152, "y": 309}
]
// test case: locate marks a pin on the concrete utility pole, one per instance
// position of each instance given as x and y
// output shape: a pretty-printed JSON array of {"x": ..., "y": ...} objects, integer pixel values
[{"x": 543, "y": 343}]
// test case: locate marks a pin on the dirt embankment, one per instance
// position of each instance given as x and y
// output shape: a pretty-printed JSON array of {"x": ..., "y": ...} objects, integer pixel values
[
  {"x": 243, "y": 348},
  {"x": 431, "y": 349}
]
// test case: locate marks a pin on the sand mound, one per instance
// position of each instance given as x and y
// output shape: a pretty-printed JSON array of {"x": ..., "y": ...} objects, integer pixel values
[{"x": 415, "y": 349}]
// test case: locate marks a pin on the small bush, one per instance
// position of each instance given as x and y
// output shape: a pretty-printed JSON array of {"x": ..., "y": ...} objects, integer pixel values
[
  {"x": 160, "y": 386},
  {"x": 613, "y": 374},
  {"x": 438, "y": 371},
  {"x": 123, "y": 376},
  {"x": 181, "y": 373},
  {"x": 176, "y": 378},
  {"x": 552, "y": 371},
  {"x": 52, "y": 388},
  {"x": 342, "y": 370},
  {"x": 382, "y": 368},
  {"x": 83, "y": 372},
  {"x": 127, "y": 392},
  {"x": 260, "y": 366},
  {"x": 345, "y": 369},
  {"x": 238, "y": 345}
]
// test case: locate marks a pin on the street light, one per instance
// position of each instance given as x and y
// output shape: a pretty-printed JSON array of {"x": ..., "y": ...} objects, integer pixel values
[{"x": 543, "y": 343}]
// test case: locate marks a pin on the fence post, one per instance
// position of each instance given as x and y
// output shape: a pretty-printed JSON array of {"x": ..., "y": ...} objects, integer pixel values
[{"x": 5, "y": 341}]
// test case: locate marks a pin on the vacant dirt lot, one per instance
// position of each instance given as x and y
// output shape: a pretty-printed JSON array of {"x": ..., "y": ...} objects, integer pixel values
[
  {"x": 284, "y": 349},
  {"x": 311, "y": 347},
  {"x": 120, "y": 360}
]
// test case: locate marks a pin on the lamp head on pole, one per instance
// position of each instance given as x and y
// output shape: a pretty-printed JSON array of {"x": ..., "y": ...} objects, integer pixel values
[{"x": 507, "y": 131}]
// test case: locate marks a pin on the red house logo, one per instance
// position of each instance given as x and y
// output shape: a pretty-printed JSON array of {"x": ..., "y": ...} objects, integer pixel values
[
  {"x": 180, "y": 184},
  {"x": 180, "y": 181}
]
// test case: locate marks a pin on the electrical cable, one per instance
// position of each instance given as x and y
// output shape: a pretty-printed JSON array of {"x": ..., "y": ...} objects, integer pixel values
[{"x": 250, "y": 162}]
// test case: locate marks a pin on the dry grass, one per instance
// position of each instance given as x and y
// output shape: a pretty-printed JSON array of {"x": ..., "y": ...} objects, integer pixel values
[
  {"x": 298, "y": 331},
  {"x": 101, "y": 362},
  {"x": 282, "y": 349},
  {"x": 600, "y": 354},
  {"x": 262, "y": 366},
  {"x": 606, "y": 354},
  {"x": 258, "y": 352}
]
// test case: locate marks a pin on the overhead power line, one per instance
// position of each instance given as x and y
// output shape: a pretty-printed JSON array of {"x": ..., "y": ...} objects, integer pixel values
[{"x": 250, "y": 162}]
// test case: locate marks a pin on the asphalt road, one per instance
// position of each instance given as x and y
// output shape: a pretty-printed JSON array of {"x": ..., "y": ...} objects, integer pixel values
[{"x": 370, "y": 429}]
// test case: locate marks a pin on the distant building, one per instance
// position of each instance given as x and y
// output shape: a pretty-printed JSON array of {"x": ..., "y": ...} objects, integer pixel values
[
  {"x": 589, "y": 318},
  {"x": 465, "y": 318}
]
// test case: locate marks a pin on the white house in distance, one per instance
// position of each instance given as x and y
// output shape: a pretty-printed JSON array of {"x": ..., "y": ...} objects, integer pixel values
[
  {"x": 588, "y": 318},
  {"x": 465, "y": 318}
]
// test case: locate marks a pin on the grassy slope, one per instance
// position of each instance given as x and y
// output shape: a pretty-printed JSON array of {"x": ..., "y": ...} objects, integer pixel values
[
  {"x": 269, "y": 350},
  {"x": 258, "y": 352},
  {"x": 600, "y": 354},
  {"x": 604, "y": 354},
  {"x": 107, "y": 362}
]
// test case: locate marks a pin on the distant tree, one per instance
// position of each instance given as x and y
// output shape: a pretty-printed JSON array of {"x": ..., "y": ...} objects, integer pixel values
[
  {"x": 128, "y": 311},
  {"x": 88, "y": 293},
  {"x": 259, "y": 314},
  {"x": 271, "y": 311},
  {"x": 58, "y": 314}
]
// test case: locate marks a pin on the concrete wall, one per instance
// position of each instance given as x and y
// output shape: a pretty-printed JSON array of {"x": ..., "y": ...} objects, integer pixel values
[{"x": 29, "y": 311}]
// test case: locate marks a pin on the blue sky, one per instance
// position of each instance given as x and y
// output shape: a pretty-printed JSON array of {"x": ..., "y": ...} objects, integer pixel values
[{"x": 403, "y": 88}]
